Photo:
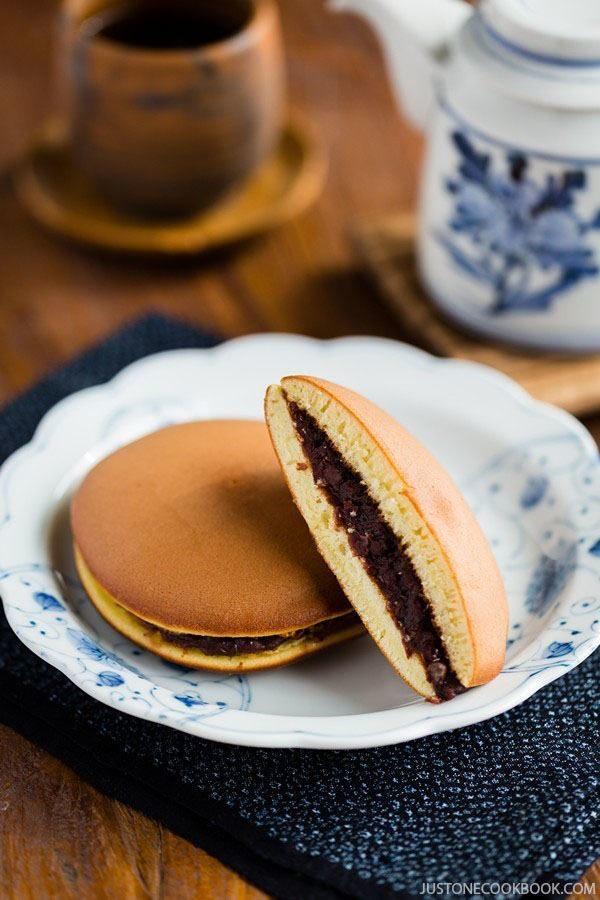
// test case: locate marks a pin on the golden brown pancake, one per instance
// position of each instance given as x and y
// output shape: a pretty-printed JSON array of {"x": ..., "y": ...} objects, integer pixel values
[
  {"x": 190, "y": 534},
  {"x": 396, "y": 531}
]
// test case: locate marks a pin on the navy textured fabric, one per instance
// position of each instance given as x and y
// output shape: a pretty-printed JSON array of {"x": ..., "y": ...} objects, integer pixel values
[{"x": 512, "y": 800}]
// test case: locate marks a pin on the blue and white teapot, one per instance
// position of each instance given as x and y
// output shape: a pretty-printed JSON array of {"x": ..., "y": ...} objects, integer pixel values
[{"x": 509, "y": 94}]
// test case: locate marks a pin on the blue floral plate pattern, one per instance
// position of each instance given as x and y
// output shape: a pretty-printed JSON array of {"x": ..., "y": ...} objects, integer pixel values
[{"x": 530, "y": 472}]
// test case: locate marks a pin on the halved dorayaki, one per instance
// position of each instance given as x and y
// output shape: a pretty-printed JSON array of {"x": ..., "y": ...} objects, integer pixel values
[
  {"x": 187, "y": 542},
  {"x": 399, "y": 536}
]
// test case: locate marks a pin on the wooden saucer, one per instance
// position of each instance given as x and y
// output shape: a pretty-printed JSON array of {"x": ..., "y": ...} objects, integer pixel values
[{"x": 59, "y": 196}]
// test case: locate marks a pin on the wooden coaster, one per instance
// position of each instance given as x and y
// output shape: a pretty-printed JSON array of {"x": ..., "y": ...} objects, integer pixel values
[
  {"x": 59, "y": 196},
  {"x": 387, "y": 247}
]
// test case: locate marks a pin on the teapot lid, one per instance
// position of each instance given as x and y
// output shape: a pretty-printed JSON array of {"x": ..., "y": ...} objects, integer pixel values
[{"x": 553, "y": 31}]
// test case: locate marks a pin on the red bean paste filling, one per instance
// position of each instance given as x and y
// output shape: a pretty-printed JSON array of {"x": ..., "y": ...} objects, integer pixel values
[
  {"x": 384, "y": 558},
  {"x": 232, "y": 646}
]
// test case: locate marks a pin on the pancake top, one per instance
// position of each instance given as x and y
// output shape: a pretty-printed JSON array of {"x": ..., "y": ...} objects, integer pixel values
[{"x": 193, "y": 528}]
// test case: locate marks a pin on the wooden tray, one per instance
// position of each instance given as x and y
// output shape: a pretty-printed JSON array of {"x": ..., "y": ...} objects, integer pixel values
[{"x": 386, "y": 246}]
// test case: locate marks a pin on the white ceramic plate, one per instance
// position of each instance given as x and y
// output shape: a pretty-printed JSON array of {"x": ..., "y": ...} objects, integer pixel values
[{"x": 530, "y": 472}]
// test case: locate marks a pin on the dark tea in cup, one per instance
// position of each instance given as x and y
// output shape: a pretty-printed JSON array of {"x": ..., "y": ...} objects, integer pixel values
[
  {"x": 172, "y": 102},
  {"x": 178, "y": 25}
]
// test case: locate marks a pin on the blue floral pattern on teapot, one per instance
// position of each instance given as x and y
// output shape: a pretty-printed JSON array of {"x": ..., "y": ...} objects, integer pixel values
[
  {"x": 522, "y": 237},
  {"x": 507, "y": 93}
]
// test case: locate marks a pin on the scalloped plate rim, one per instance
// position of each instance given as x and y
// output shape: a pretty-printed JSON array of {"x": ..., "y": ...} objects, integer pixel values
[{"x": 229, "y": 727}]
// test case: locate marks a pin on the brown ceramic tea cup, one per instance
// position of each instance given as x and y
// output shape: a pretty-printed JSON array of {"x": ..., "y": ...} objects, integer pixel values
[{"x": 172, "y": 102}]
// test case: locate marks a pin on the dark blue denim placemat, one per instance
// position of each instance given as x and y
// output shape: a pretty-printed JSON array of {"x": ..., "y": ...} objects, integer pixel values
[{"x": 514, "y": 799}]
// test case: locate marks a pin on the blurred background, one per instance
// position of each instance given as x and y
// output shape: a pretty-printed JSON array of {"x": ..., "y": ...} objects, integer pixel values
[{"x": 56, "y": 298}]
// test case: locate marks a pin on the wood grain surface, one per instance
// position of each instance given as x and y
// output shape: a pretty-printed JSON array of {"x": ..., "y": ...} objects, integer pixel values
[{"x": 58, "y": 837}]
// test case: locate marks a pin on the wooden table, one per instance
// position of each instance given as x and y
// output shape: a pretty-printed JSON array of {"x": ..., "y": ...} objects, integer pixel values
[{"x": 58, "y": 837}]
